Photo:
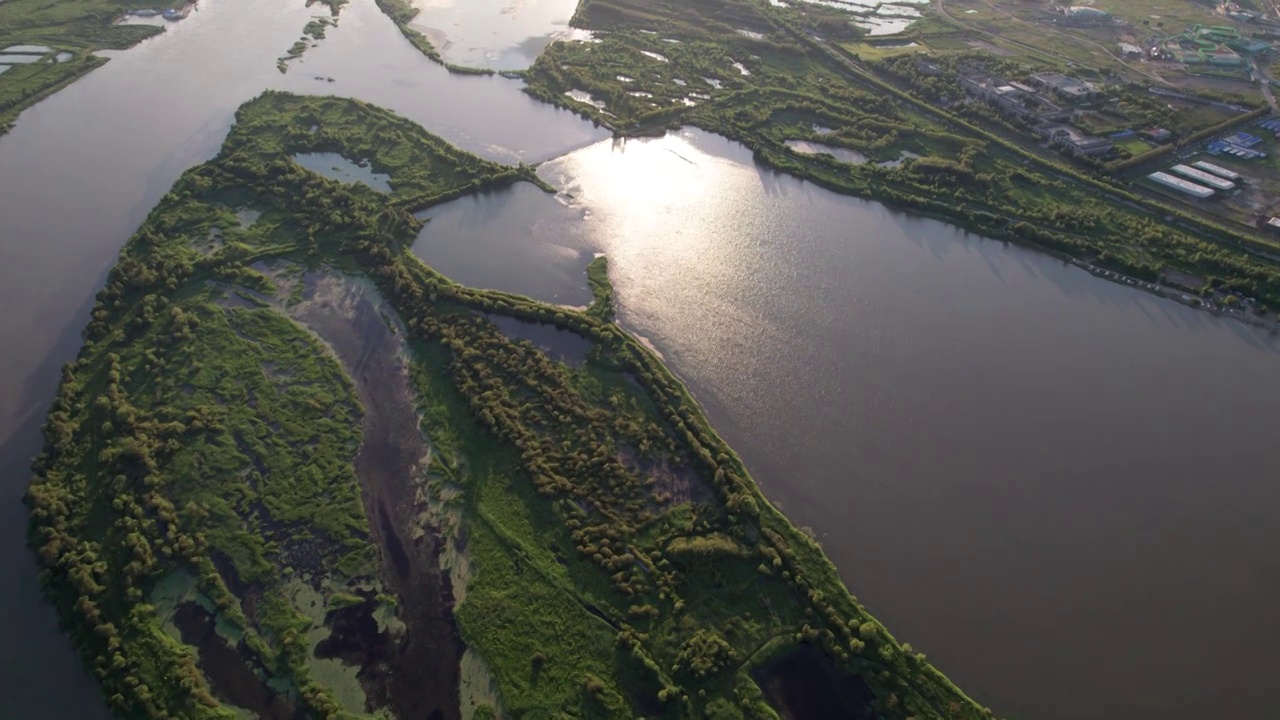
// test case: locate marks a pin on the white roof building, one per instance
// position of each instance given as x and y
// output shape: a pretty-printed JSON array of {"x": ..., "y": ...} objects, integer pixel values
[
  {"x": 1184, "y": 186},
  {"x": 1203, "y": 178}
]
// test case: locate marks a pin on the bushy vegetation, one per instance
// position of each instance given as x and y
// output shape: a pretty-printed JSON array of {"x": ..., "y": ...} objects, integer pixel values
[
  {"x": 624, "y": 563},
  {"x": 602, "y": 304}
]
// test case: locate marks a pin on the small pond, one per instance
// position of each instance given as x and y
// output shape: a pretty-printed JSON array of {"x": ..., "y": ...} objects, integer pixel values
[
  {"x": 563, "y": 346},
  {"x": 805, "y": 685},
  {"x": 883, "y": 25},
  {"x": 247, "y": 217},
  {"x": 336, "y": 167},
  {"x": 903, "y": 156},
  {"x": 583, "y": 96},
  {"x": 844, "y": 155}
]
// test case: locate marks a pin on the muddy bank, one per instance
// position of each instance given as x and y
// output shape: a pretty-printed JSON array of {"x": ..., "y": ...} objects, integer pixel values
[
  {"x": 417, "y": 673},
  {"x": 805, "y": 685}
]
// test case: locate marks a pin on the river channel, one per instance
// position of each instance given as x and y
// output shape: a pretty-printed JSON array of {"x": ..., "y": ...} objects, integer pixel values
[{"x": 1058, "y": 488}]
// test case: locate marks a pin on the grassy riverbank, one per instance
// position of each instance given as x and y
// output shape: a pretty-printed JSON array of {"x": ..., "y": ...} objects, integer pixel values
[
  {"x": 620, "y": 561},
  {"x": 77, "y": 27},
  {"x": 766, "y": 75}
]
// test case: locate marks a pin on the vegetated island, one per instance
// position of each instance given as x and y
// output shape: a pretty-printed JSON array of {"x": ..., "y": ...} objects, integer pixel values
[
  {"x": 312, "y": 33},
  {"x": 784, "y": 79},
  {"x": 59, "y": 39},
  {"x": 295, "y": 472}
]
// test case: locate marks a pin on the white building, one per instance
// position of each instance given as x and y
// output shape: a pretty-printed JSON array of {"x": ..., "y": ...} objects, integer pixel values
[
  {"x": 1204, "y": 178},
  {"x": 1218, "y": 170},
  {"x": 1184, "y": 186}
]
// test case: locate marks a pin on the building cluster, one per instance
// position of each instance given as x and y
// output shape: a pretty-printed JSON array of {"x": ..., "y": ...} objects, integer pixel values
[
  {"x": 1218, "y": 45},
  {"x": 1047, "y": 104},
  {"x": 1240, "y": 145},
  {"x": 1201, "y": 180}
]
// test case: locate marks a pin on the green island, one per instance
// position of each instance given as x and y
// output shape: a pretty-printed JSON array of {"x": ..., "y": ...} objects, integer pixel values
[
  {"x": 312, "y": 33},
  {"x": 963, "y": 117},
  {"x": 295, "y": 472}
]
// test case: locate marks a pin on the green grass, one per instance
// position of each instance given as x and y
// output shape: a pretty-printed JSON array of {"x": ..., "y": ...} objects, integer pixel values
[
  {"x": 601, "y": 289},
  {"x": 872, "y": 51},
  {"x": 1135, "y": 147}
]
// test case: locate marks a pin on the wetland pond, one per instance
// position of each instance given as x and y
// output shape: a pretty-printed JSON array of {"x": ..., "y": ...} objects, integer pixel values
[
  {"x": 844, "y": 155},
  {"x": 336, "y": 167},
  {"x": 1046, "y": 482}
]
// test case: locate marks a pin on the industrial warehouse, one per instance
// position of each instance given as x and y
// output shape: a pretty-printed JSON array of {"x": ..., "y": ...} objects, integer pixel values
[
  {"x": 1204, "y": 178},
  {"x": 1201, "y": 180},
  {"x": 1184, "y": 186}
]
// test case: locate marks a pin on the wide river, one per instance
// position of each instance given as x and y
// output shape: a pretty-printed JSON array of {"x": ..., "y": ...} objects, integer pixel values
[{"x": 1060, "y": 489}]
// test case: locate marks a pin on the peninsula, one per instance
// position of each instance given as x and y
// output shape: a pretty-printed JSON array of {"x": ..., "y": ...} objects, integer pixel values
[{"x": 296, "y": 472}]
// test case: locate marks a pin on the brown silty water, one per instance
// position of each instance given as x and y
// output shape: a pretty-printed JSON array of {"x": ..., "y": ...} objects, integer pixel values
[{"x": 416, "y": 674}]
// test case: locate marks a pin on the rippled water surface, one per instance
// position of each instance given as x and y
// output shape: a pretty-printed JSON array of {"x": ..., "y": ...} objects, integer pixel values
[{"x": 1041, "y": 479}]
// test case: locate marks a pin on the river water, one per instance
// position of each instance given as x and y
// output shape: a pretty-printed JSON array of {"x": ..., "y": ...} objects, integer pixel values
[{"x": 1054, "y": 486}]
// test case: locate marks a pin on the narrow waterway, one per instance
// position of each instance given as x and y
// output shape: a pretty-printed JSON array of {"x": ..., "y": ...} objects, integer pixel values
[{"x": 1056, "y": 487}]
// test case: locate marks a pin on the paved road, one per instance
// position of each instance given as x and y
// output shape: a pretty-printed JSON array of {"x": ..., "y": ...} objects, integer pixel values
[{"x": 1265, "y": 83}]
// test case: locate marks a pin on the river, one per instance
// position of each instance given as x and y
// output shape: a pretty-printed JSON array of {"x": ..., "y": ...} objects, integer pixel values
[{"x": 1052, "y": 485}]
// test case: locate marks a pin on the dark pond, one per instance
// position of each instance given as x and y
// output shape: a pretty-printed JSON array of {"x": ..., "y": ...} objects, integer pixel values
[
  {"x": 805, "y": 685},
  {"x": 565, "y": 346}
]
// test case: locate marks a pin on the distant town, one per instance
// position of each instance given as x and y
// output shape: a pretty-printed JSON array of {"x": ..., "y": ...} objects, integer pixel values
[{"x": 1176, "y": 100}]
